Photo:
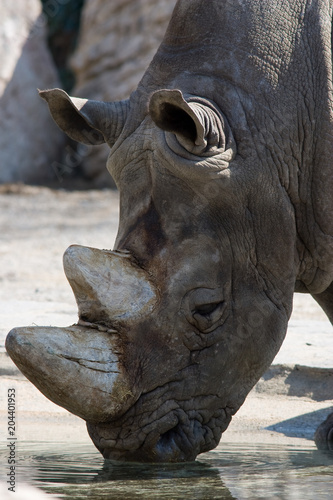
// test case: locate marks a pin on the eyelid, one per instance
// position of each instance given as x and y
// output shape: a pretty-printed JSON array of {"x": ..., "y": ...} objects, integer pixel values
[
  {"x": 204, "y": 296},
  {"x": 208, "y": 323},
  {"x": 204, "y": 321},
  {"x": 207, "y": 308}
]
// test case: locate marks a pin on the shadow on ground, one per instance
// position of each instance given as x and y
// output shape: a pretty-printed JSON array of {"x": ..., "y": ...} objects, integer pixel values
[{"x": 301, "y": 426}]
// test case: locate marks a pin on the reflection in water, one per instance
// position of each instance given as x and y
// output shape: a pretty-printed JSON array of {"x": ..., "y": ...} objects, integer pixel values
[{"x": 230, "y": 472}]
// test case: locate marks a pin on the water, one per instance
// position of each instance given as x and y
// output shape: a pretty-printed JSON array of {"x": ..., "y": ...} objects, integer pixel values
[{"x": 231, "y": 472}]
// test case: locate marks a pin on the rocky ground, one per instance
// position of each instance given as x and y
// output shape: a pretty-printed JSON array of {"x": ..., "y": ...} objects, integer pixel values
[{"x": 37, "y": 225}]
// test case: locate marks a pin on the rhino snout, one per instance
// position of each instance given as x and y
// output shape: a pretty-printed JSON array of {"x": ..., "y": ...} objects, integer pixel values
[{"x": 81, "y": 367}]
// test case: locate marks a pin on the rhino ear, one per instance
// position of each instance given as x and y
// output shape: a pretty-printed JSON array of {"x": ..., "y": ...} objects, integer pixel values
[
  {"x": 196, "y": 123},
  {"x": 87, "y": 121}
]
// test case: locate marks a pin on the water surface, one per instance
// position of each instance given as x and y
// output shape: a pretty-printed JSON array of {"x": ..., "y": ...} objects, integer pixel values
[{"x": 229, "y": 472}]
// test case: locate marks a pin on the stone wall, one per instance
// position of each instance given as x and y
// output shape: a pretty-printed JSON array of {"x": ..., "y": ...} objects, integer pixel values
[
  {"x": 117, "y": 41},
  {"x": 29, "y": 140}
]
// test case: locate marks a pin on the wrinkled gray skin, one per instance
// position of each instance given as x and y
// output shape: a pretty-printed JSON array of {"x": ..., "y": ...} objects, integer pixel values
[{"x": 222, "y": 157}]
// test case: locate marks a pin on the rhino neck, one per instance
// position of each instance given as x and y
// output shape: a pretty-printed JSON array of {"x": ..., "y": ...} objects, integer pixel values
[{"x": 253, "y": 60}]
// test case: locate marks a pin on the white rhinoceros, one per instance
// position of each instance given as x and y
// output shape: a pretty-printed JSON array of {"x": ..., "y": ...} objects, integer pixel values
[{"x": 223, "y": 159}]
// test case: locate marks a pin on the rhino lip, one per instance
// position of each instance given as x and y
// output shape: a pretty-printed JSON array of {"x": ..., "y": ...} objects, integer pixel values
[
  {"x": 171, "y": 443},
  {"x": 177, "y": 436},
  {"x": 166, "y": 444}
]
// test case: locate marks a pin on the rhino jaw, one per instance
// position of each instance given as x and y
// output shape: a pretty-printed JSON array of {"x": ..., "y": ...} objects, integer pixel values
[{"x": 75, "y": 367}]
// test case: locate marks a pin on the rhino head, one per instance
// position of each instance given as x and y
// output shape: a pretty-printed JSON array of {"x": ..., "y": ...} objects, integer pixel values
[
  {"x": 179, "y": 320},
  {"x": 182, "y": 317}
]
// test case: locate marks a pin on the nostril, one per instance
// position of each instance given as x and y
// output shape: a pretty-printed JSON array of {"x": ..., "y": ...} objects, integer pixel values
[
  {"x": 167, "y": 439},
  {"x": 176, "y": 445}
]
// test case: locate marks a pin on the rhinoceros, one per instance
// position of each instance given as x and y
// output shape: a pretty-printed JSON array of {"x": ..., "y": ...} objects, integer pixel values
[{"x": 222, "y": 157}]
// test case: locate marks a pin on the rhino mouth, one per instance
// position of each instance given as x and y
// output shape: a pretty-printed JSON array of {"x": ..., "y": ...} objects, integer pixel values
[
  {"x": 175, "y": 431},
  {"x": 178, "y": 435},
  {"x": 83, "y": 373}
]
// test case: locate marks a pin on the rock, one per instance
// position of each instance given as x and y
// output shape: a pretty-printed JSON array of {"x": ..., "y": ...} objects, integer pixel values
[
  {"x": 30, "y": 142},
  {"x": 16, "y": 22},
  {"x": 117, "y": 41}
]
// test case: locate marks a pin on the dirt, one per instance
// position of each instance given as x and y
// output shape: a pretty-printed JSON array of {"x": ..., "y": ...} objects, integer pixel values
[{"x": 37, "y": 225}]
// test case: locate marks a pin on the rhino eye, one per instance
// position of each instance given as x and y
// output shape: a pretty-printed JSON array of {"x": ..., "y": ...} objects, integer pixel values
[
  {"x": 206, "y": 316},
  {"x": 206, "y": 309}
]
